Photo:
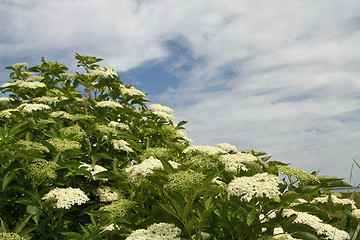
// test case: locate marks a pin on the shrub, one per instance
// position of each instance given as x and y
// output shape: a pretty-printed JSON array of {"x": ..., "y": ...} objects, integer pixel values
[{"x": 84, "y": 156}]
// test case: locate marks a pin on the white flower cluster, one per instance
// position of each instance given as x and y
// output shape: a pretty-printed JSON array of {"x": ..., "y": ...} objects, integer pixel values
[
  {"x": 67, "y": 197},
  {"x": 104, "y": 72},
  {"x": 205, "y": 149},
  {"x": 355, "y": 213},
  {"x": 161, "y": 111},
  {"x": 131, "y": 91},
  {"x": 156, "y": 231},
  {"x": 28, "y": 107},
  {"x": 234, "y": 162},
  {"x": 146, "y": 168},
  {"x": 35, "y": 78},
  {"x": 121, "y": 126},
  {"x": 161, "y": 108},
  {"x": 108, "y": 194},
  {"x": 10, "y": 236},
  {"x": 5, "y": 99},
  {"x": 93, "y": 169},
  {"x": 109, "y": 104},
  {"x": 227, "y": 147},
  {"x": 62, "y": 114},
  {"x": 69, "y": 75},
  {"x": 7, "y": 112},
  {"x": 259, "y": 185},
  {"x": 183, "y": 135},
  {"x": 23, "y": 84},
  {"x": 121, "y": 145},
  {"x": 335, "y": 200},
  {"x": 316, "y": 223},
  {"x": 46, "y": 99}
]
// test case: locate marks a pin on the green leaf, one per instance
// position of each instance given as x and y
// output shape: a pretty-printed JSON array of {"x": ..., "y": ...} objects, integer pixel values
[
  {"x": 98, "y": 213},
  {"x": 7, "y": 179},
  {"x": 251, "y": 217},
  {"x": 289, "y": 197},
  {"x": 21, "y": 224},
  {"x": 310, "y": 208},
  {"x": 73, "y": 235},
  {"x": 4, "y": 226}
]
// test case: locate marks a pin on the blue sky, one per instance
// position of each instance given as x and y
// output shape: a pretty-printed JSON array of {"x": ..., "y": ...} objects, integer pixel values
[{"x": 278, "y": 76}]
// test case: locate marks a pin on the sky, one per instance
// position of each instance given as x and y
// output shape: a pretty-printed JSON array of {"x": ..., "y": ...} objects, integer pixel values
[{"x": 277, "y": 76}]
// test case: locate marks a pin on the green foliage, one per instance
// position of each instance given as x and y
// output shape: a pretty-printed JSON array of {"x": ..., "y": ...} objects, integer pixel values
[{"x": 83, "y": 156}]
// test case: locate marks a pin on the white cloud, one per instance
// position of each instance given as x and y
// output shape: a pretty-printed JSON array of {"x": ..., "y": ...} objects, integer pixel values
[{"x": 294, "y": 87}]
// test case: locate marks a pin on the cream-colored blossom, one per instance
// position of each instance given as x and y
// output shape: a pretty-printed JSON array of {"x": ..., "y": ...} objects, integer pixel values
[
  {"x": 69, "y": 75},
  {"x": 355, "y": 213},
  {"x": 257, "y": 186},
  {"x": 164, "y": 115},
  {"x": 205, "y": 149},
  {"x": 10, "y": 236},
  {"x": 131, "y": 91},
  {"x": 93, "y": 169},
  {"x": 105, "y": 129},
  {"x": 35, "y": 78},
  {"x": 160, "y": 108},
  {"x": 121, "y": 145},
  {"x": 227, "y": 147},
  {"x": 316, "y": 223},
  {"x": 145, "y": 168},
  {"x": 335, "y": 200},
  {"x": 7, "y": 112},
  {"x": 109, "y": 104},
  {"x": 118, "y": 125},
  {"x": 28, "y": 107},
  {"x": 5, "y": 99},
  {"x": 41, "y": 169},
  {"x": 67, "y": 197},
  {"x": 234, "y": 162},
  {"x": 46, "y": 99},
  {"x": 104, "y": 72},
  {"x": 29, "y": 145},
  {"x": 31, "y": 85},
  {"x": 108, "y": 194},
  {"x": 63, "y": 144},
  {"x": 279, "y": 234},
  {"x": 156, "y": 231},
  {"x": 61, "y": 114}
]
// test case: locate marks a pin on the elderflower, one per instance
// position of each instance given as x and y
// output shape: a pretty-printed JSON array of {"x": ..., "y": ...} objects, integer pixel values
[
  {"x": 109, "y": 104},
  {"x": 4, "y": 99},
  {"x": 35, "y": 78},
  {"x": 121, "y": 126},
  {"x": 31, "y": 85},
  {"x": 316, "y": 223},
  {"x": 118, "y": 209},
  {"x": 158, "y": 107},
  {"x": 104, "y": 72},
  {"x": 93, "y": 169},
  {"x": 205, "y": 149},
  {"x": 355, "y": 213},
  {"x": 337, "y": 201},
  {"x": 227, "y": 147},
  {"x": 69, "y": 75},
  {"x": 67, "y": 197},
  {"x": 257, "y": 186},
  {"x": 7, "y": 112},
  {"x": 105, "y": 129},
  {"x": 64, "y": 144},
  {"x": 184, "y": 181},
  {"x": 234, "y": 162},
  {"x": 297, "y": 173},
  {"x": 108, "y": 194},
  {"x": 164, "y": 115},
  {"x": 61, "y": 114},
  {"x": 28, "y": 107},
  {"x": 29, "y": 145},
  {"x": 121, "y": 145},
  {"x": 46, "y": 99},
  {"x": 144, "y": 169},
  {"x": 10, "y": 236},
  {"x": 156, "y": 231},
  {"x": 279, "y": 234},
  {"x": 131, "y": 91}
]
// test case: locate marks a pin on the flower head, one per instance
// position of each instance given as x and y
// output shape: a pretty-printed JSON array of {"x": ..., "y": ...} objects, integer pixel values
[
  {"x": 29, "y": 145},
  {"x": 227, "y": 147},
  {"x": 121, "y": 145},
  {"x": 297, "y": 173},
  {"x": 205, "y": 149},
  {"x": 234, "y": 162},
  {"x": 10, "y": 236},
  {"x": 67, "y": 197},
  {"x": 131, "y": 91},
  {"x": 108, "y": 194},
  {"x": 118, "y": 209},
  {"x": 121, "y": 126},
  {"x": 93, "y": 169},
  {"x": 184, "y": 181},
  {"x": 28, "y": 107},
  {"x": 104, "y": 72},
  {"x": 109, "y": 104},
  {"x": 258, "y": 186},
  {"x": 156, "y": 231},
  {"x": 63, "y": 144},
  {"x": 158, "y": 107}
]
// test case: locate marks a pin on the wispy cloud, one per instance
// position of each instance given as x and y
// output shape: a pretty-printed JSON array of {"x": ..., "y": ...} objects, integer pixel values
[{"x": 277, "y": 76}]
